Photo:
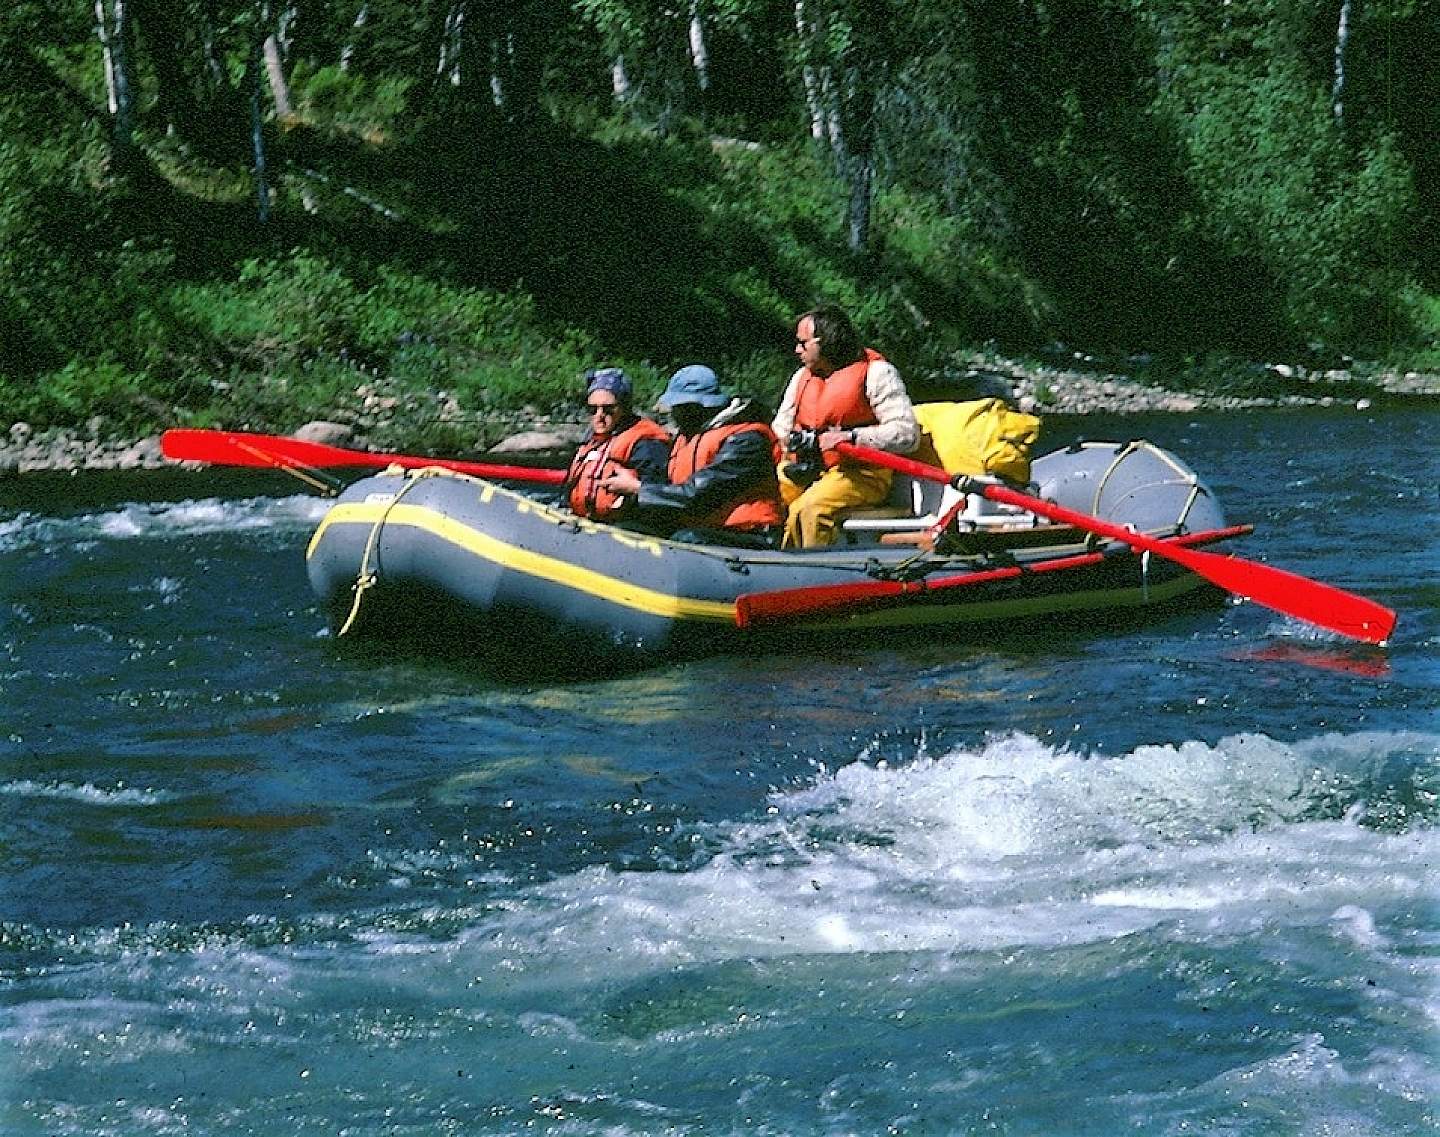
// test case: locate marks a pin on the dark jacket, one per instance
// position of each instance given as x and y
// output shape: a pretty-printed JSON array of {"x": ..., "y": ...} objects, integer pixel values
[
  {"x": 744, "y": 463},
  {"x": 649, "y": 457}
]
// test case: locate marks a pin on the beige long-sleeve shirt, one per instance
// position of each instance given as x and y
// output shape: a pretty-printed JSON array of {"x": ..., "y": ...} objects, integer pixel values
[{"x": 895, "y": 429}]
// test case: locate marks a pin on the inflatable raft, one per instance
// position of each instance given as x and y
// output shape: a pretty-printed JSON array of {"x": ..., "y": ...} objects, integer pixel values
[{"x": 463, "y": 564}]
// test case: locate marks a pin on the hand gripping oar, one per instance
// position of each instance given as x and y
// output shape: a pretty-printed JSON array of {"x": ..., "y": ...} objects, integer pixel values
[
  {"x": 232, "y": 448},
  {"x": 1286, "y": 592}
]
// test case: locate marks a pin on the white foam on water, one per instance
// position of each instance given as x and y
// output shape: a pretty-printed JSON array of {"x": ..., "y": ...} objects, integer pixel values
[
  {"x": 87, "y": 793},
  {"x": 162, "y": 519},
  {"x": 118, "y": 1119},
  {"x": 40, "y": 1033},
  {"x": 1355, "y": 924},
  {"x": 1012, "y": 845},
  {"x": 1018, "y": 843},
  {"x": 1325, "y": 1093},
  {"x": 166, "y": 589}
]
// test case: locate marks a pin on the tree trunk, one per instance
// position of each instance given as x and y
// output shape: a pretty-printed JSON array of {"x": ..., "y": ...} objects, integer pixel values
[
  {"x": 499, "y": 59},
  {"x": 253, "y": 66},
  {"x": 212, "y": 55},
  {"x": 861, "y": 178},
  {"x": 113, "y": 29},
  {"x": 275, "y": 70},
  {"x": 1342, "y": 41},
  {"x": 814, "y": 100},
  {"x": 103, "y": 31},
  {"x": 699, "y": 54},
  {"x": 520, "y": 40},
  {"x": 347, "y": 50},
  {"x": 486, "y": 61},
  {"x": 284, "y": 33},
  {"x": 834, "y": 129},
  {"x": 620, "y": 80},
  {"x": 451, "y": 41}
]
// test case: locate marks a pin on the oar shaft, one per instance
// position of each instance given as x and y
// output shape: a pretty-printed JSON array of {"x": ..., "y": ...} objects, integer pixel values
[
  {"x": 1294, "y": 595},
  {"x": 786, "y": 605}
]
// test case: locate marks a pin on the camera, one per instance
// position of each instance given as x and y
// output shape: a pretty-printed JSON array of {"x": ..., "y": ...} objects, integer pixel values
[{"x": 806, "y": 467}]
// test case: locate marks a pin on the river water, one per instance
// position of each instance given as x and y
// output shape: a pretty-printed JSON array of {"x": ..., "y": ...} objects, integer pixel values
[{"x": 1173, "y": 880}]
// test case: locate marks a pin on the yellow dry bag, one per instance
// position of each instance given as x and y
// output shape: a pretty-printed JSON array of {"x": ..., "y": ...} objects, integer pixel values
[{"x": 983, "y": 436}]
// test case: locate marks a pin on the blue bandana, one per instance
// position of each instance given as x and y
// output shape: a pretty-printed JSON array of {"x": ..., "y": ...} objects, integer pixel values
[{"x": 610, "y": 379}]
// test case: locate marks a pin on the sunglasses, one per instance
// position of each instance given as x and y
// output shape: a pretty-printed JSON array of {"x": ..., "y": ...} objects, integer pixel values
[{"x": 602, "y": 408}]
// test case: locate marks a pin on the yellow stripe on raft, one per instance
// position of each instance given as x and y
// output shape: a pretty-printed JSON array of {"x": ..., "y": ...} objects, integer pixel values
[{"x": 557, "y": 571}]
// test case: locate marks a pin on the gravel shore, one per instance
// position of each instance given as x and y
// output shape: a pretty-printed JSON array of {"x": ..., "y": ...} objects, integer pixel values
[{"x": 1084, "y": 388}]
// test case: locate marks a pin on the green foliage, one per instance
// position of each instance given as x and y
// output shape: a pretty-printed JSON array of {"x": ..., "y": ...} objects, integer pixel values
[
  {"x": 1167, "y": 174},
  {"x": 78, "y": 391},
  {"x": 1273, "y": 178},
  {"x": 349, "y": 100},
  {"x": 321, "y": 334},
  {"x": 1419, "y": 319}
]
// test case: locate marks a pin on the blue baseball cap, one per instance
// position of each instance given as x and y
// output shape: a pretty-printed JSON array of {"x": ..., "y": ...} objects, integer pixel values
[{"x": 695, "y": 384}]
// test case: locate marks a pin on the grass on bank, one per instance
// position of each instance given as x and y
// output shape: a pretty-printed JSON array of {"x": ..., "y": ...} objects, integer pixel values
[{"x": 440, "y": 295}]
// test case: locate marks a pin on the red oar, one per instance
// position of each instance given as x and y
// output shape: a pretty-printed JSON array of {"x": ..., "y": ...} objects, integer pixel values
[
  {"x": 755, "y": 609},
  {"x": 1286, "y": 592},
  {"x": 786, "y": 604},
  {"x": 232, "y": 448}
]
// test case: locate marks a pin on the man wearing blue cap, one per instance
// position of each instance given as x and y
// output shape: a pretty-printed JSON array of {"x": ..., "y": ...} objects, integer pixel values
[
  {"x": 721, "y": 473},
  {"x": 619, "y": 441}
]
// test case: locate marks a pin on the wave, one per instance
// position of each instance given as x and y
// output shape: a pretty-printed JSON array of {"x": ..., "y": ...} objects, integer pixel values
[
  {"x": 1014, "y": 844},
  {"x": 86, "y": 793},
  {"x": 1017, "y": 844},
  {"x": 162, "y": 519},
  {"x": 1246, "y": 912}
]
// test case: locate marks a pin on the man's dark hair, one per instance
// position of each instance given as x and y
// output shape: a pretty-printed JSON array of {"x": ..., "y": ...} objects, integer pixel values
[{"x": 839, "y": 341}]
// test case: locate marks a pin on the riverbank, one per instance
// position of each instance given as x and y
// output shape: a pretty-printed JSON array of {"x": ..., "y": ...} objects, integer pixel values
[{"x": 1083, "y": 386}]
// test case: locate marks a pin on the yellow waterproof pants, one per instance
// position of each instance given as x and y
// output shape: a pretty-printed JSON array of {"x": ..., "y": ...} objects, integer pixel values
[{"x": 815, "y": 511}]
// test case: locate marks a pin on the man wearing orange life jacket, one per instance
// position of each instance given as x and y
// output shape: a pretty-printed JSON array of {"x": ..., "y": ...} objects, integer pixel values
[
  {"x": 842, "y": 392},
  {"x": 619, "y": 441},
  {"x": 721, "y": 484}
]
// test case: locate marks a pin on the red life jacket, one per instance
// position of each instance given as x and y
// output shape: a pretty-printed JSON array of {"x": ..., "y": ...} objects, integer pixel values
[
  {"x": 836, "y": 402},
  {"x": 757, "y": 507},
  {"x": 597, "y": 459}
]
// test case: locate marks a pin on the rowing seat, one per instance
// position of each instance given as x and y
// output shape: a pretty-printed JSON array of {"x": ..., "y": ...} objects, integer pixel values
[{"x": 915, "y": 504}]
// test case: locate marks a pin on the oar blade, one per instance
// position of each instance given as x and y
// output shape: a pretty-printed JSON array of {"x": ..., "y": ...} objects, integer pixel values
[
  {"x": 1316, "y": 603},
  {"x": 273, "y": 451},
  {"x": 237, "y": 448},
  {"x": 787, "y": 605}
]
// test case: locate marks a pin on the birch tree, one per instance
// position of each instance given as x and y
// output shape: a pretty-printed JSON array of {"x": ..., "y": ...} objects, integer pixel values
[
  {"x": 847, "y": 58},
  {"x": 347, "y": 49},
  {"x": 275, "y": 67},
  {"x": 112, "y": 25},
  {"x": 699, "y": 52},
  {"x": 1342, "y": 40}
]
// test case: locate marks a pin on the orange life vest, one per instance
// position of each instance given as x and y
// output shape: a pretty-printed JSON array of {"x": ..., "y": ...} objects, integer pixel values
[
  {"x": 836, "y": 402},
  {"x": 597, "y": 459},
  {"x": 758, "y": 506}
]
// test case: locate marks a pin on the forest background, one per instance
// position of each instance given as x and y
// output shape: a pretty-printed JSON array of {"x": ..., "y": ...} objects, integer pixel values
[{"x": 428, "y": 217}]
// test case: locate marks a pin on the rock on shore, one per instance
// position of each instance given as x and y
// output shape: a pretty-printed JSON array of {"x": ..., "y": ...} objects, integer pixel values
[
  {"x": 1089, "y": 389},
  {"x": 1084, "y": 388}
]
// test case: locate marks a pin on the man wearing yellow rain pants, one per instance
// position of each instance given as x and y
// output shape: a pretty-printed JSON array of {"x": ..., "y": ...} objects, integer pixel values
[{"x": 842, "y": 392}]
